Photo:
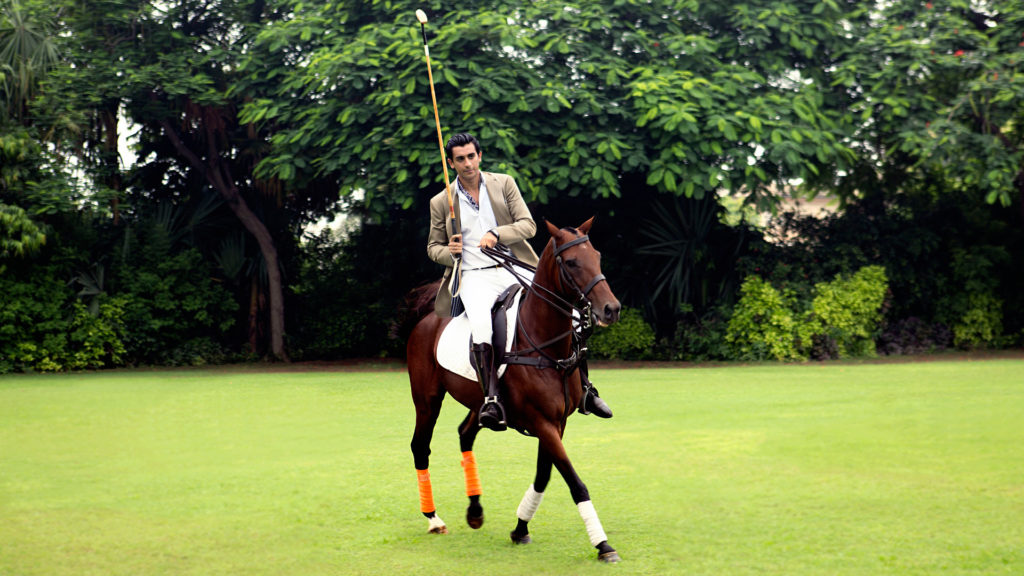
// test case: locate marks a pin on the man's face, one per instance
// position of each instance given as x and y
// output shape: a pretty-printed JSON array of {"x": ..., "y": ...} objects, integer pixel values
[{"x": 466, "y": 161}]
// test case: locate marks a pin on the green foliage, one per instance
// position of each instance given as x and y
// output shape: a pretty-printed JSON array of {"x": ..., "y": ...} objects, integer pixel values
[
  {"x": 95, "y": 341},
  {"x": 631, "y": 338},
  {"x": 347, "y": 304},
  {"x": 27, "y": 52},
  {"x": 611, "y": 105},
  {"x": 943, "y": 95},
  {"x": 972, "y": 309},
  {"x": 849, "y": 310},
  {"x": 840, "y": 320},
  {"x": 19, "y": 235},
  {"x": 763, "y": 325},
  {"x": 169, "y": 303},
  {"x": 699, "y": 338},
  {"x": 44, "y": 328},
  {"x": 686, "y": 256},
  {"x": 32, "y": 320},
  {"x": 567, "y": 97},
  {"x": 981, "y": 325}
]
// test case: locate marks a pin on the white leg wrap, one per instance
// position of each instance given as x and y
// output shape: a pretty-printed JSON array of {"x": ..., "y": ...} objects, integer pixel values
[
  {"x": 593, "y": 524},
  {"x": 435, "y": 523},
  {"x": 530, "y": 503}
]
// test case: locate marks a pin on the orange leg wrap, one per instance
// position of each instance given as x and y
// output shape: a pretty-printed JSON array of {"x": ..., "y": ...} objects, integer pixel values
[
  {"x": 426, "y": 492},
  {"x": 472, "y": 476}
]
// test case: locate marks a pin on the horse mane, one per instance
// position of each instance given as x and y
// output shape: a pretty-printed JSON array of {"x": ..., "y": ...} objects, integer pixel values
[{"x": 417, "y": 303}]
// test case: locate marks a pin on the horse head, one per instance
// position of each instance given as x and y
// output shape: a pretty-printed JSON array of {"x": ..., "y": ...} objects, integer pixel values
[{"x": 579, "y": 272}]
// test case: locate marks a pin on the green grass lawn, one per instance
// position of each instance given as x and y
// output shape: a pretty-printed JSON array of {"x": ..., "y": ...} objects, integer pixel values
[{"x": 831, "y": 469}]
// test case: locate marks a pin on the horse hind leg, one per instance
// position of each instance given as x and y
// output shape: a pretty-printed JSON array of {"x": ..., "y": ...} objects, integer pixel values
[{"x": 468, "y": 430}]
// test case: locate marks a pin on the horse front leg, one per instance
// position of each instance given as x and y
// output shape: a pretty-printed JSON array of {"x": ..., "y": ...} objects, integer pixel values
[
  {"x": 552, "y": 441},
  {"x": 467, "y": 435},
  {"x": 532, "y": 499}
]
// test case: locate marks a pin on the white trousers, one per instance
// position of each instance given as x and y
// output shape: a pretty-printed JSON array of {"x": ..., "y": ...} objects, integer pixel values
[{"x": 480, "y": 288}]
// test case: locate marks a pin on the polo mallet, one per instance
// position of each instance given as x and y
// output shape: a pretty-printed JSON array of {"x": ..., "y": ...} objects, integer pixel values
[{"x": 453, "y": 227}]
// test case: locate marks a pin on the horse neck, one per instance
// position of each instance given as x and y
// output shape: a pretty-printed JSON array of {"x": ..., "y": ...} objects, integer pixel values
[{"x": 541, "y": 320}]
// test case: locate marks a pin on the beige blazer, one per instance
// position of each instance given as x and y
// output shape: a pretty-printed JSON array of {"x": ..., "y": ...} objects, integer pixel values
[{"x": 515, "y": 227}]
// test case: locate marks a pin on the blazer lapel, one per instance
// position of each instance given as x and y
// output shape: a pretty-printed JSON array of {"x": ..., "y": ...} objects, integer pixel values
[{"x": 497, "y": 198}]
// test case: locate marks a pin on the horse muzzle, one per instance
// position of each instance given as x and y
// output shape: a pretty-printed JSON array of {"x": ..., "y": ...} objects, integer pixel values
[{"x": 607, "y": 314}]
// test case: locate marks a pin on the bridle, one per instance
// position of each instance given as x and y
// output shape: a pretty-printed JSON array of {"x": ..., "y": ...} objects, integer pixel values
[
  {"x": 579, "y": 310},
  {"x": 581, "y": 293}
]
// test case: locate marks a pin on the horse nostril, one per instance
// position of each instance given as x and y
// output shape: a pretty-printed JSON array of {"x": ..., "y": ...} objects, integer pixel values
[{"x": 611, "y": 312}]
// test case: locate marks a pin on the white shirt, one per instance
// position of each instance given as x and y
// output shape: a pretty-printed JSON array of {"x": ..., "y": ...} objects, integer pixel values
[{"x": 476, "y": 221}]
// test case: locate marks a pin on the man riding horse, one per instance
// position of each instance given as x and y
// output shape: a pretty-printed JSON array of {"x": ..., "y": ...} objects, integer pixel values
[{"x": 490, "y": 210}]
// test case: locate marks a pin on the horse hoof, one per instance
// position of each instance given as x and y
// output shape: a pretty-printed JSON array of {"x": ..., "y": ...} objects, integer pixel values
[
  {"x": 475, "y": 515},
  {"x": 609, "y": 557},
  {"x": 517, "y": 539},
  {"x": 437, "y": 526}
]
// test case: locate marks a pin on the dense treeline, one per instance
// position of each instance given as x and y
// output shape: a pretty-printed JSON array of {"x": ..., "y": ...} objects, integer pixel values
[{"x": 676, "y": 122}]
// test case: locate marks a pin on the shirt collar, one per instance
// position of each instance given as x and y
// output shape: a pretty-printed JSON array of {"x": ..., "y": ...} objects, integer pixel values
[{"x": 465, "y": 193}]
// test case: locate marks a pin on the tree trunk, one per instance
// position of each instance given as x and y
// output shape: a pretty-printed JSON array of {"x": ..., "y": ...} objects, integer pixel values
[
  {"x": 257, "y": 303},
  {"x": 111, "y": 159},
  {"x": 269, "y": 250},
  {"x": 1020, "y": 194},
  {"x": 218, "y": 174}
]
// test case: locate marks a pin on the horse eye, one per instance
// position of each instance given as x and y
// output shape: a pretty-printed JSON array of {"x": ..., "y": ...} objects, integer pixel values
[{"x": 572, "y": 263}]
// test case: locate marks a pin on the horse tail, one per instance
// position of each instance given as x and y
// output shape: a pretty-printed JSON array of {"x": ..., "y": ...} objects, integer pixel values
[{"x": 415, "y": 306}]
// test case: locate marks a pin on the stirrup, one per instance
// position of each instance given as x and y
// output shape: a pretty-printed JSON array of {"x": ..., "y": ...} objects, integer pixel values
[
  {"x": 496, "y": 423},
  {"x": 594, "y": 404}
]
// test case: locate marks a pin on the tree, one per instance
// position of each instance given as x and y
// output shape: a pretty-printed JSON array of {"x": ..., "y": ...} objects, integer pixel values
[
  {"x": 174, "y": 70},
  {"x": 570, "y": 97},
  {"x": 936, "y": 89},
  {"x": 27, "y": 53}
]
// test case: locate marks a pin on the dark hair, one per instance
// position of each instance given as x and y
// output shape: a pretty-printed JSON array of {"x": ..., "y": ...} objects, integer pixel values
[{"x": 461, "y": 140}]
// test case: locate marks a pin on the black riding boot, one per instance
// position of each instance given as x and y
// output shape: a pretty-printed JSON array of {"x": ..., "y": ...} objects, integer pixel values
[
  {"x": 591, "y": 402},
  {"x": 492, "y": 413}
]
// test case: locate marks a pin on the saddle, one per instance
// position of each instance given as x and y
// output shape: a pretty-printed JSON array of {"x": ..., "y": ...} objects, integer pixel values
[{"x": 453, "y": 345}]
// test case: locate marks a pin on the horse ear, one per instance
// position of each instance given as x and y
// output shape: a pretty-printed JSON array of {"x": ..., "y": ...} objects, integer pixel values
[
  {"x": 585, "y": 227},
  {"x": 552, "y": 229}
]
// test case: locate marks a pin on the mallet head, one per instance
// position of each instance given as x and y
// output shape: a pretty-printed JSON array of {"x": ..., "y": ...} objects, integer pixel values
[{"x": 421, "y": 16}]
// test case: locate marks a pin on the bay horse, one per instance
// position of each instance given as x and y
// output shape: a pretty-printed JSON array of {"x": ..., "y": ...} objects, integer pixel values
[{"x": 542, "y": 381}]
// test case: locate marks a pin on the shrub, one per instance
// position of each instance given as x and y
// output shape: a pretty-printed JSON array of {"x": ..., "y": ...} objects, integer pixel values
[
  {"x": 169, "y": 305},
  {"x": 44, "y": 328},
  {"x": 32, "y": 321},
  {"x": 95, "y": 341},
  {"x": 841, "y": 320},
  {"x": 700, "y": 338},
  {"x": 631, "y": 338},
  {"x": 848, "y": 310},
  {"x": 981, "y": 325},
  {"x": 762, "y": 326}
]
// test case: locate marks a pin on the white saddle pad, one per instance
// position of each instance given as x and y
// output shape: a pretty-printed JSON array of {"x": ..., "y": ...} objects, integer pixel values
[{"x": 453, "y": 346}]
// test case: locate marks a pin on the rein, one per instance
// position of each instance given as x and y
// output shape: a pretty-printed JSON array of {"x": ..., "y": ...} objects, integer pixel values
[{"x": 581, "y": 306}]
